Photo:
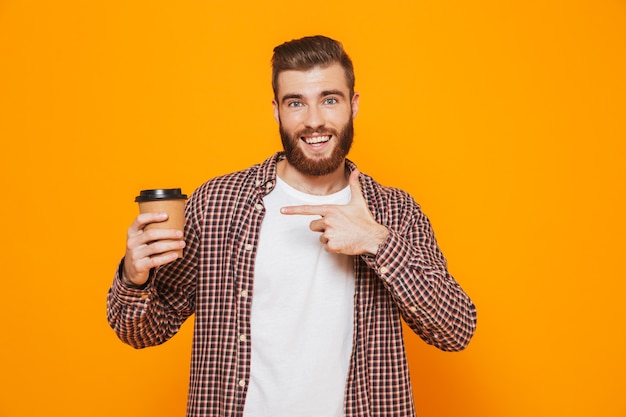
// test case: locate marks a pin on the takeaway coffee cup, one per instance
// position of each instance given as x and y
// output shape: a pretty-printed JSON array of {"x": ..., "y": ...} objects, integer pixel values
[{"x": 164, "y": 200}]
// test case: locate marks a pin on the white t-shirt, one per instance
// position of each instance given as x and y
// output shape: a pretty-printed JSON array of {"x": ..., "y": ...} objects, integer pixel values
[{"x": 302, "y": 314}]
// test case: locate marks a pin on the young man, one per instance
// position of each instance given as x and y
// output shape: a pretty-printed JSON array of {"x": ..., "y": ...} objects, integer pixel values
[{"x": 298, "y": 269}]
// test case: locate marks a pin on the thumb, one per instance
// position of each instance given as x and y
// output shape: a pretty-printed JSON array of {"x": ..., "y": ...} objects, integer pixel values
[{"x": 355, "y": 187}]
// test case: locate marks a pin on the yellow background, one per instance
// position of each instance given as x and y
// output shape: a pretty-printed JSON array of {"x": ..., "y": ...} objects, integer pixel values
[{"x": 505, "y": 120}]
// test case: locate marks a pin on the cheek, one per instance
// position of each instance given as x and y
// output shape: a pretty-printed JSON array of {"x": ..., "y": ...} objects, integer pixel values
[
  {"x": 338, "y": 120},
  {"x": 289, "y": 121}
]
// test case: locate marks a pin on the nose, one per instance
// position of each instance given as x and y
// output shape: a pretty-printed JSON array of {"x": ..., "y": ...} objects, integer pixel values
[{"x": 314, "y": 118}]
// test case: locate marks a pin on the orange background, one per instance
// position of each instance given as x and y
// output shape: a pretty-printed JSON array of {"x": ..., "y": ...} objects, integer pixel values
[{"x": 505, "y": 120}]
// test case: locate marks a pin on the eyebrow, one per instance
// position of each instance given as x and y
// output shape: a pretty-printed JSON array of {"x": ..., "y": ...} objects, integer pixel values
[
  {"x": 291, "y": 97},
  {"x": 324, "y": 93}
]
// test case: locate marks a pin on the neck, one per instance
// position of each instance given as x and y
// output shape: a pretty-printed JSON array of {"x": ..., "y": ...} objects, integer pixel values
[{"x": 314, "y": 185}]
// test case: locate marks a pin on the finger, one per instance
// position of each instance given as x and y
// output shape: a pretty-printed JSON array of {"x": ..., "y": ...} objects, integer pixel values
[
  {"x": 162, "y": 259},
  {"x": 154, "y": 254},
  {"x": 332, "y": 248},
  {"x": 162, "y": 246},
  {"x": 152, "y": 235},
  {"x": 139, "y": 241},
  {"x": 145, "y": 219},
  {"x": 355, "y": 186},
  {"x": 137, "y": 271},
  {"x": 140, "y": 260},
  {"x": 310, "y": 210},
  {"x": 318, "y": 225}
]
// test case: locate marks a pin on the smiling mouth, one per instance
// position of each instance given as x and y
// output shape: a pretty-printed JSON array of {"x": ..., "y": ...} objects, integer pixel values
[{"x": 316, "y": 140}]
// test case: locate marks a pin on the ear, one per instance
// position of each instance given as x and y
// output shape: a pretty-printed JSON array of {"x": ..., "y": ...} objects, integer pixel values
[
  {"x": 275, "y": 106},
  {"x": 355, "y": 104}
]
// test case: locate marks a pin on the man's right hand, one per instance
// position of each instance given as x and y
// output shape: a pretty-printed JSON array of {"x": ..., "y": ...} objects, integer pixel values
[{"x": 149, "y": 248}]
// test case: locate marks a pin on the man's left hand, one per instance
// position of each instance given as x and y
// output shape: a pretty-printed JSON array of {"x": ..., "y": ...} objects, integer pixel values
[{"x": 347, "y": 229}]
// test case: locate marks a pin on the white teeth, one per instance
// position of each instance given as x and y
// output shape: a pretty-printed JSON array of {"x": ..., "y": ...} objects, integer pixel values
[{"x": 317, "y": 139}]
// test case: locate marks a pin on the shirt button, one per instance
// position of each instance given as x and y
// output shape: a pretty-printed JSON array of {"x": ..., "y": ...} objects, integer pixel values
[
  {"x": 242, "y": 337},
  {"x": 258, "y": 206},
  {"x": 145, "y": 296},
  {"x": 257, "y": 183},
  {"x": 243, "y": 293},
  {"x": 413, "y": 309},
  {"x": 242, "y": 383},
  {"x": 383, "y": 270},
  {"x": 269, "y": 185},
  {"x": 248, "y": 247}
]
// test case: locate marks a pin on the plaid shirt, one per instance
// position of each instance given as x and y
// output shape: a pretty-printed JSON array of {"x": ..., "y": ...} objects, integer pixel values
[{"x": 407, "y": 278}]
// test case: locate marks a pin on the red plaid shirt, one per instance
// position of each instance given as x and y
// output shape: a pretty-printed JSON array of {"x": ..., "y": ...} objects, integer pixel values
[{"x": 407, "y": 278}]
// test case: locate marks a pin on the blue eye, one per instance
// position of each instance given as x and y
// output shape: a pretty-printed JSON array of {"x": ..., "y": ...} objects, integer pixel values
[
  {"x": 294, "y": 104},
  {"x": 330, "y": 100}
]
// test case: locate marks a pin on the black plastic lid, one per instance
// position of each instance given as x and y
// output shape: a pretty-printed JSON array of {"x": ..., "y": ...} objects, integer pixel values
[{"x": 160, "y": 194}]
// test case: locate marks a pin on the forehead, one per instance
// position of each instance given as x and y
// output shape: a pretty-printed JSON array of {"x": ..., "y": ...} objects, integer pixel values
[{"x": 312, "y": 82}]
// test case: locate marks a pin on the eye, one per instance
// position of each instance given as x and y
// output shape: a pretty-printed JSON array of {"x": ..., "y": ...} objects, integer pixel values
[
  {"x": 294, "y": 103},
  {"x": 330, "y": 100}
]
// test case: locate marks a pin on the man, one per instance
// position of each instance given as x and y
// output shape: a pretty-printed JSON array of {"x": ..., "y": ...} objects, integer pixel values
[{"x": 298, "y": 269}]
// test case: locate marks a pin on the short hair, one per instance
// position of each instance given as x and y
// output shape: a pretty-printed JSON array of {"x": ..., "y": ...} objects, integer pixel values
[{"x": 306, "y": 53}]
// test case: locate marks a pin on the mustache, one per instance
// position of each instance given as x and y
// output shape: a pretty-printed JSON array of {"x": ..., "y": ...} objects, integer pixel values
[{"x": 322, "y": 131}]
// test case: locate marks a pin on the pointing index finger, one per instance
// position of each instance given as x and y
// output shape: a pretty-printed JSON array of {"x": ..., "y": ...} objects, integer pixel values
[{"x": 310, "y": 210}]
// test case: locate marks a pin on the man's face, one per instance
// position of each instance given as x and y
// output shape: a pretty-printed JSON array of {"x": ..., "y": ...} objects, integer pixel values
[{"x": 315, "y": 112}]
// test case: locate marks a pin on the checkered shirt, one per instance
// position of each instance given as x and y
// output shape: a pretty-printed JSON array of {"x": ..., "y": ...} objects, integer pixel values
[{"x": 407, "y": 278}]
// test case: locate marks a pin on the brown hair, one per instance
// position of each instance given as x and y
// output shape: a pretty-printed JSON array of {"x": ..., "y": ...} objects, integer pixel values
[{"x": 309, "y": 52}]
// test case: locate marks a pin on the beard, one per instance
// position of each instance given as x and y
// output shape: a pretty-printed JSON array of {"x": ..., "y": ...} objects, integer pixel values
[{"x": 317, "y": 166}]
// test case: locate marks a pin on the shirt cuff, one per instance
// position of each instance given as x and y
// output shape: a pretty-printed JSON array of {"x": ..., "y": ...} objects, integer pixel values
[
  {"x": 124, "y": 290},
  {"x": 393, "y": 254}
]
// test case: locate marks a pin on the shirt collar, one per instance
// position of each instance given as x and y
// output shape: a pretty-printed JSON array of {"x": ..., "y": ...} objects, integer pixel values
[{"x": 265, "y": 179}]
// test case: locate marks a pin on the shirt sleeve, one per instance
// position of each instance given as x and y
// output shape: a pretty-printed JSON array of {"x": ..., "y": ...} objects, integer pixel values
[
  {"x": 415, "y": 272},
  {"x": 152, "y": 314}
]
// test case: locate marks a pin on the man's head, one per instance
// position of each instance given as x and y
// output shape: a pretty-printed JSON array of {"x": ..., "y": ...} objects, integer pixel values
[
  {"x": 309, "y": 52},
  {"x": 314, "y": 103}
]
